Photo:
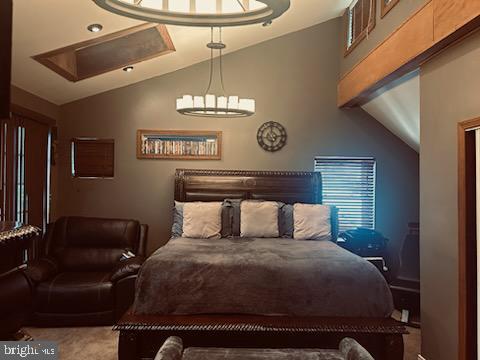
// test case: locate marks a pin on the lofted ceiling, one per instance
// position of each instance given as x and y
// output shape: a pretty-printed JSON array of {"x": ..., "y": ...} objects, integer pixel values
[{"x": 41, "y": 26}]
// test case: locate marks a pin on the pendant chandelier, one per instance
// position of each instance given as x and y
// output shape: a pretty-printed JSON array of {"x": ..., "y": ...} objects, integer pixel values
[
  {"x": 211, "y": 13},
  {"x": 215, "y": 103}
]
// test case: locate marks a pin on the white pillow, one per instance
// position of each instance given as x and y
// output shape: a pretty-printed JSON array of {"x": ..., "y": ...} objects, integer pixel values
[
  {"x": 202, "y": 220},
  {"x": 311, "y": 222},
  {"x": 259, "y": 219}
]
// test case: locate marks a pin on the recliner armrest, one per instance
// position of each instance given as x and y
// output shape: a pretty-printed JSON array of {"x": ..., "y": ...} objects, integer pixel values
[
  {"x": 41, "y": 269},
  {"x": 126, "y": 268}
]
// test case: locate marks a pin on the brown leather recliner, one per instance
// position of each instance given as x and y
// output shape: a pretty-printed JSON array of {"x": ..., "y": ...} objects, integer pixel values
[{"x": 81, "y": 279}]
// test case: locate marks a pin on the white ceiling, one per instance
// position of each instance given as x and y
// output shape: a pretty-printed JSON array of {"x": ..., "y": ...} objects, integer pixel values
[
  {"x": 44, "y": 25},
  {"x": 397, "y": 107}
]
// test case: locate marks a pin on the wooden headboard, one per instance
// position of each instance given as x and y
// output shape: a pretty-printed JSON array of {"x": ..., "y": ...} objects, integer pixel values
[{"x": 216, "y": 185}]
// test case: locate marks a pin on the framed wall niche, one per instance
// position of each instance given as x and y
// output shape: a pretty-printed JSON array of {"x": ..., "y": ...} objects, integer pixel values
[{"x": 179, "y": 145}]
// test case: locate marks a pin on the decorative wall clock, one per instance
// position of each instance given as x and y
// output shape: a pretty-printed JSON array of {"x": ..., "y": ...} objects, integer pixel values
[{"x": 272, "y": 136}]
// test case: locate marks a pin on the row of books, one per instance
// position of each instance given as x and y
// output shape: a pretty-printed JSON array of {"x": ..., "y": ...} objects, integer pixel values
[{"x": 202, "y": 147}]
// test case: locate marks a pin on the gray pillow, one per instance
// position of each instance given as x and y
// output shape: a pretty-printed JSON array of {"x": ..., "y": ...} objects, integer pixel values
[
  {"x": 177, "y": 226},
  {"x": 234, "y": 205},
  {"x": 285, "y": 221}
]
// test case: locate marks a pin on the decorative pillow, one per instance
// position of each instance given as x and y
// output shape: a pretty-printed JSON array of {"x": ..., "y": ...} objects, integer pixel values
[
  {"x": 311, "y": 222},
  {"x": 177, "y": 226},
  {"x": 202, "y": 220},
  {"x": 259, "y": 219},
  {"x": 234, "y": 205},
  {"x": 285, "y": 221}
]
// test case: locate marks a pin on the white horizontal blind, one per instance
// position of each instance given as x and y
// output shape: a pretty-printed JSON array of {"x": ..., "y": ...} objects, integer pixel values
[{"x": 349, "y": 184}]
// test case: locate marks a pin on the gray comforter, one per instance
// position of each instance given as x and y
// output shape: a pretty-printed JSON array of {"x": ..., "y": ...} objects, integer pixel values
[{"x": 261, "y": 277}]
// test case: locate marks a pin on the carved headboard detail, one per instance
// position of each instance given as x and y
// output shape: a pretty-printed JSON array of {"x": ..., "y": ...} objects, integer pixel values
[{"x": 216, "y": 185}]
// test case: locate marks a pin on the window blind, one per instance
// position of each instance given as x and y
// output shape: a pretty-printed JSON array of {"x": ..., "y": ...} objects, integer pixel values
[
  {"x": 360, "y": 18},
  {"x": 93, "y": 158},
  {"x": 349, "y": 184}
]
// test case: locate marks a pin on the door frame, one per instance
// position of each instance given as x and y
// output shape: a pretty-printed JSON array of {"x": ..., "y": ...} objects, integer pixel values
[{"x": 467, "y": 239}]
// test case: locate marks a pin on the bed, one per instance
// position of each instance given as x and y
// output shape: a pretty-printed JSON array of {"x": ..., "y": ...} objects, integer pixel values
[{"x": 291, "y": 293}]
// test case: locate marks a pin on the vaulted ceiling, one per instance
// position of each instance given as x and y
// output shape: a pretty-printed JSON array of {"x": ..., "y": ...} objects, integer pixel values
[{"x": 41, "y": 26}]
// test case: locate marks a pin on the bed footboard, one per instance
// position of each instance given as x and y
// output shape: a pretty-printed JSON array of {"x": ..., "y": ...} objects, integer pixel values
[{"x": 142, "y": 336}]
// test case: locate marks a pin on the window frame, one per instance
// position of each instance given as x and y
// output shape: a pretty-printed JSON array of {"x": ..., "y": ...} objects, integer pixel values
[
  {"x": 373, "y": 184},
  {"x": 96, "y": 140},
  {"x": 347, "y": 25},
  {"x": 385, "y": 8}
]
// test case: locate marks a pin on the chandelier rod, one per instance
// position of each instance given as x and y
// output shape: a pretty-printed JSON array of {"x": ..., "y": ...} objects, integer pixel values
[{"x": 210, "y": 81}]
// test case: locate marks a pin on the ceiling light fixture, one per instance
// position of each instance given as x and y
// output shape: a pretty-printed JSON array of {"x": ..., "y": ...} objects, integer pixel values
[
  {"x": 128, "y": 68},
  {"x": 215, "y": 102},
  {"x": 211, "y": 13},
  {"x": 95, "y": 28}
]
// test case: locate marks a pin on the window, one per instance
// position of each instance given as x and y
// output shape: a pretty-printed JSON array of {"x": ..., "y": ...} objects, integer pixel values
[
  {"x": 388, "y": 5},
  {"x": 22, "y": 206},
  {"x": 93, "y": 158},
  {"x": 349, "y": 184},
  {"x": 359, "y": 20}
]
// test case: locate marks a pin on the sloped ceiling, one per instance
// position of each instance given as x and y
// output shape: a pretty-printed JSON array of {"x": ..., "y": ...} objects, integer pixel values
[
  {"x": 397, "y": 107},
  {"x": 44, "y": 25}
]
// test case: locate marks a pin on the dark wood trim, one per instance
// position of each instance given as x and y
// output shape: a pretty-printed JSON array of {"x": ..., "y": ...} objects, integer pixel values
[
  {"x": 363, "y": 34},
  {"x": 386, "y": 8},
  {"x": 32, "y": 115},
  {"x": 467, "y": 274},
  {"x": 6, "y": 15}
]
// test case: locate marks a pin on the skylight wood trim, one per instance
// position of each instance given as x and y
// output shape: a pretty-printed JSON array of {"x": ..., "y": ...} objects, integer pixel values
[{"x": 65, "y": 61}]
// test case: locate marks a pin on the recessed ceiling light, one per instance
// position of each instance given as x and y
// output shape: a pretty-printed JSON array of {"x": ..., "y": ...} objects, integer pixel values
[
  {"x": 128, "y": 68},
  {"x": 95, "y": 28}
]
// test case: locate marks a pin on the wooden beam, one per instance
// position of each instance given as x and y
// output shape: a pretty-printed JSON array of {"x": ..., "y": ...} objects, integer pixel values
[
  {"x": 32, "y": 115},
  {"x": 427, "y": 32},
  {"x": 6, "y": 14}
]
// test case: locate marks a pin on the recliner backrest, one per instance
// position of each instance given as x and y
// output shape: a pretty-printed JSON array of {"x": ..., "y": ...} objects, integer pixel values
[{"x": 91, "y": 244}]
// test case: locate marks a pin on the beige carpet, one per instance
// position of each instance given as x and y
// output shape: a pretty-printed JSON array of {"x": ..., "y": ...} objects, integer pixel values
[
  {"x": 100, "y": 343},
  {"x": 83, "y": 343}
]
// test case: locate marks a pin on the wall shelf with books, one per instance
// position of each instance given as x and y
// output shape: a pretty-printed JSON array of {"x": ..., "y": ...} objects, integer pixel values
[{"x": 179, "y": 145}]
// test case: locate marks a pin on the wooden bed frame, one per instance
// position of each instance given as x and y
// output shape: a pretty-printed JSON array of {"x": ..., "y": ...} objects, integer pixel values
[{"x": 142, "y": 335}]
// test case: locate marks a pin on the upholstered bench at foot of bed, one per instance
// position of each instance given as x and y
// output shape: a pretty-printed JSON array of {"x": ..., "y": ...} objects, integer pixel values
[{"x": 349, "y": 349}]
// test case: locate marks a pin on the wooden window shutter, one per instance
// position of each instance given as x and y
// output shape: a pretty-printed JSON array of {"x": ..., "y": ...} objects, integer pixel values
[
  {"x": 93, "y": 158},
  {"x": 357, "y": 19}
]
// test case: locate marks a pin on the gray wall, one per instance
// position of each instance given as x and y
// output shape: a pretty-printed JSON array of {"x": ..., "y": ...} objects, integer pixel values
[
  {"x": 384, "y": 27},
  {"x": 292, "y": 78},
  {"x": 449, "y": 85}
]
